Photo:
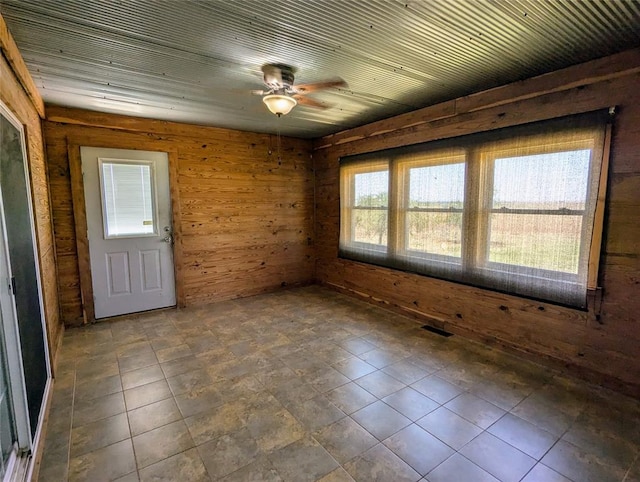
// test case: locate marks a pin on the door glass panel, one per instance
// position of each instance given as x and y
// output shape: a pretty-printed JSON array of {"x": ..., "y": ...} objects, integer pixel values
[
  {"x": 7, "y": 427},
  {"x": 20, "y": 240},
  {"x": 128, "y": 198}
]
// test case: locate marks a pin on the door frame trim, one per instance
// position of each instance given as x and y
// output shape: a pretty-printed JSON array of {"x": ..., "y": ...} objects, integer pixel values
[
  {"x": 80, "y": 215},
  {"x": 25, "y": 463}
]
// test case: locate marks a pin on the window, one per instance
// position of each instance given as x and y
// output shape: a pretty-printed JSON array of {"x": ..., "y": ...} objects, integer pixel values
[
  {"x": 431, "y": 196},
  {"x": 365, "y": 224},
  {"x": 510, "y": 210},
  {"x": 128, "y": 198}
]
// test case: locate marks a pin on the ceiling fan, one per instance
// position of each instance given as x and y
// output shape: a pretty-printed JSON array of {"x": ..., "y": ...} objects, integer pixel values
[{"x": 282, "y": 95}]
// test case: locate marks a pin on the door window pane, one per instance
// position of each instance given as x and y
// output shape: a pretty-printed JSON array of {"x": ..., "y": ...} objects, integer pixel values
[{"x": 128, "y": 197}]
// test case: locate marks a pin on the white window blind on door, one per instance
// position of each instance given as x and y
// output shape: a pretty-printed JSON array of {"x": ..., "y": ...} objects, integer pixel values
[{"x": 128, "y": 198}]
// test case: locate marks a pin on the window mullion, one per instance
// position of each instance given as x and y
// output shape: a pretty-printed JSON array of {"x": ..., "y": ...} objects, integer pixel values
[
  {"x": 472, "y": 218},
  {"x": 347, "y": 179},
  {"x": 395, "y": 218}
]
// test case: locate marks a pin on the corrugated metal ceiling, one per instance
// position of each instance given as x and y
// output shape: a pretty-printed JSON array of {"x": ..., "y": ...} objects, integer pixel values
[{"x": 196, "y": 61}]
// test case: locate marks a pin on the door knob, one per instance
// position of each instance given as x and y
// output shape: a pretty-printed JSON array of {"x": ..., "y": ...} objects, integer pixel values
[{"x": 168, "y": 239}]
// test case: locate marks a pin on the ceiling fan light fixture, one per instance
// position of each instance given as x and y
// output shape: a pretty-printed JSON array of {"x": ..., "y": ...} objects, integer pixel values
[{"x": 279, "y": 104}]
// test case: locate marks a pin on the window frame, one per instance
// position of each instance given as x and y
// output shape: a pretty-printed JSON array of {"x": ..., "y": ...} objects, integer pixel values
[
  {"x": 591, "y": 132},
  {"x": 542, "y": 146},
  {"x": 348, "y": 191},
  {"x": 401, "y": 167},
  {"x": 154, "y": 200}
]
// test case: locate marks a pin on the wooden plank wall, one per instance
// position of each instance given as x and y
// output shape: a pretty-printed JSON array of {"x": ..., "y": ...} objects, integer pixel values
[
  {"x": 604, "y": 350},
  {"x": 246, "y": 216},
  {"x": 16, "y": 99}
]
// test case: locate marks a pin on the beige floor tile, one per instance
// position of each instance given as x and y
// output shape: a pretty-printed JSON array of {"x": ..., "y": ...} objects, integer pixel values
[
  {"x": 325, "y": 379},
  {"x": 437, "y": 389},
  {"x": 189, "y": 381},
  {"x": 316, "y": 412},
  {"x": 274, "y": 429},
  {"x": 418, "y": 448},
  {"x": 132, "y": 477},
  {"x": 523, "y": 435},
  {"x": 337, "y": 475},
  {"x": 407, "y": 371},
  {"x": 91, "y": 389},
  {"x": 162, "y": 442},
  {"x": 500, "y": 459},
  {"x": 542, "y": 473},
  {"x": 458, "y": 468},
  {"x": 105, "y": 464},
  {"x": 380, "y": 420},
  {"x": 136, "y": 361},
  {"x": 142, "y": 376},
  {"x": 452, "y": 429},
  {"x": 228, "y": 453},
  {"x": 350, "y": 397},
  {"x": 345, "y": 439},
  {"x": 380, "y": 464},
  {"x": 146, "y": 394},
  {"x": 354, "y": 367},
  {"x": 380, "y": 384},
  {"x": 87, "y": 411},
  {"x": 185, "y": 466},
  {"x": 153, "y": 415},
  {"x": 578, "y": 464},
  {"x": 182, "y": 365},
  {"x": 260, "y": 470},
  {"x": 173, "y": 353},
  {"x": 214, "y": 423},
  {"x": 303, "y": 461},
  {"x": 411, "y": 403},
  {"x": 263, "y": 390},
  {"x": 95, "y": 435},
  {"x": 475, "y": 409}
]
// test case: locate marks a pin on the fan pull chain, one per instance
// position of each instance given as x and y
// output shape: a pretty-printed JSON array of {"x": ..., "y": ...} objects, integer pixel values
[{"x": 279, "y": 142}]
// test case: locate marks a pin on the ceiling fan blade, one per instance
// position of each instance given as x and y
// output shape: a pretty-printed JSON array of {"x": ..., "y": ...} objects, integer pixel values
[
  {"x": 314, "y": 87},
  {"x": 302, "y": 100},
  {"x": 258, "y": 92}
]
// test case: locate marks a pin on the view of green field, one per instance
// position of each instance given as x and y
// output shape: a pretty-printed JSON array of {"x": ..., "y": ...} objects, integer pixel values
[
  {"x": 536, "y": 240},
  {"x": 370, "y": 226},
  {"x": 543, "y": 241},
  {"x": 435, "y": 233}
]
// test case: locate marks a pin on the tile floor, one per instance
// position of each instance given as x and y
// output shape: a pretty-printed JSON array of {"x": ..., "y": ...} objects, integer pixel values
[{"x": 308, "y": 384}]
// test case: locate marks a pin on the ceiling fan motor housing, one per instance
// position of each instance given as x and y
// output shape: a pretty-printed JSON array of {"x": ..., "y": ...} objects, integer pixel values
[{"x": 278, "y": 76}]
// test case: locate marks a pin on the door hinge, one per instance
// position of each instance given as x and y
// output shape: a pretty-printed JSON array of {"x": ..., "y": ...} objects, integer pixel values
[{"x": 12, "y": 285}]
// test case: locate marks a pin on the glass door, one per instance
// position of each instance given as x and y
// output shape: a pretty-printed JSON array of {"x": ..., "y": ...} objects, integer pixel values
[{"x": 8, "y": 432}]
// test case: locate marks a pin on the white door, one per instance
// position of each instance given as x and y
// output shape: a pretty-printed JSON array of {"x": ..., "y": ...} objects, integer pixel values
[{"x": 128, "y": 209}]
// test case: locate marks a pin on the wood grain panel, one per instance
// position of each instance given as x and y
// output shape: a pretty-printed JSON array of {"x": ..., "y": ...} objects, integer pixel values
[
  {"x": 235, "y": 204},
  {"x": 25, "y": 107},
  {"x": 20, "y": 73},
  {"x": 604, "y": 351}
]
